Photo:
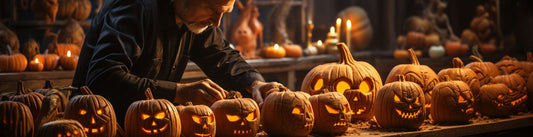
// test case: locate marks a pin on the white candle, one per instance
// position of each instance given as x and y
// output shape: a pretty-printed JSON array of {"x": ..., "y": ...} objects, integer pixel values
[
  {"x": 338, "y": 27},
  {"x": 348, "y": 30}
]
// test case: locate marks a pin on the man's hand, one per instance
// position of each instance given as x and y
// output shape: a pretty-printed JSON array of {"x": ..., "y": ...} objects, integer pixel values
[
  {"x": 204, "y": 92},
  {"x": 260, "y": 90}
]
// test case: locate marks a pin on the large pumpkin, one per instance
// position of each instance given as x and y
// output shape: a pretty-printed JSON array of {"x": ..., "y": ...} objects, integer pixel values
[
  {"x": 452, "y": 102},
  {"x": 31, "y": 99},
  {"x": 361, "y": 31},
  {"x": 152, "y": 117},
  {"x": 49, "y": 60},
  {"x": 16, "y": 120},
  {"x": 485, "y": 70},
  {"x": 332, "y": 113},
  {"x": 422, "y": 75},
  {"x": 459, "y": 72},
  {"x": 61, "y": 128},
  {"x": 287, "y": 114},
  {"x": 357, "y": 80},
  {"x": 94, "y": 112},
  {"x": 53, "y": 106},
  {"x": 72, "y": 33},
  {"x": 12, "y": 62},
  {"x": 237, "y": 117},
  {"x": 400, "y": 104},
  {"x": 77, "y": 9},
  {"x": 517, "y": 95},
  {"x": 494, "y": 100},
  {"x": 512, "y": 65},
  {"x": 197, "y": 120},
  {"x": 530, "y": 91}
]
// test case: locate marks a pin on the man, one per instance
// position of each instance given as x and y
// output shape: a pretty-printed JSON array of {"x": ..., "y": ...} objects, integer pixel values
[{"x": 133, "y": 45}]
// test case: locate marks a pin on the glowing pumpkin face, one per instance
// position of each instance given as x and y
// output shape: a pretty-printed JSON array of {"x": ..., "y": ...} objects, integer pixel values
[
  {"x": 511, "y": 65},
  {"x": 287, "y": 114},
  {"x": 94, "y": 112},
  {"x": 517, "y": 95},
  {"x": 61, "y": 128},
  {"x": 459, "y": 72},
  {"x": 152, "y": 117},
  {"x": 357, "y": 80},
  {"x": 236, "y": 117},
  {"x": 452, "y": 102},
  {"x": 494, "y": 100},
  {"x": 15, "y": 120},
  {"x": 332, "y": 113},
  {"x": 198, "y": 120}
]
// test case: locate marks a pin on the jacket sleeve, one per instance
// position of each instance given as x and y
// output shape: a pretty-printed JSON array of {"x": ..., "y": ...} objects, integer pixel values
[
  {"x": 119, "y": 44},
  {"x": 221, "y": 63}
]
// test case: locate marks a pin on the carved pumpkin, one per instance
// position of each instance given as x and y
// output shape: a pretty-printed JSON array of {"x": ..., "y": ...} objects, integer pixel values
[
  {"x": 332, "y": 113},
  {"x": 361, "y": 31},
  {"x": 293, "y": 50},
  {"x": 53, "y": 106},
  {"x": 357, "y": 80},
  {"x": 236, "y": 117},
  {"x": 530, "y": 91},
  {"x": 152, "y": 117},
  {"x": 495, "y": 100},
  {"x": 517, "y": 96},
  {"x": 31, "y": 48},
  {"x": 12, "y": 62},
  {"x": 452, "y": 102},
  {"x": 287, "y": 114},
  {"x": 61, "y": 128},
  {"x": 485, "y": 70},
  {"x": 31, "y": 99},
  {"x": 197, "y": 120},
  {"x": 511, "y": 65},
  {"x": 459, "y": 72},
  {"x": 422, "y": 75},
  {"x": 274, "y": 51},
  {"x": 50, "y": 61},
  {"x": 94, "y": 112},
  {"x": 400, "y": 104},
  {"x": 16, "y": 120}
]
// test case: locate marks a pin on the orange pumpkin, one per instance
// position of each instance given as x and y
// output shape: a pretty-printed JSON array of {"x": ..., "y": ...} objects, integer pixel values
[
  {"x": 69, "y": 62},
  {"x": 459, "y": 72},
  {"x": 61, "y": 49},
  {"x": 35, "y": 65},
  {"x": 274, "y": 52},
  {"x": 456, "y": 48},
  {"x": 293, "y": 50},
  {"x": 485, "y": 70},
  {"x": 416, "y": 40},
  {"x": 12, "y": 62},
  {"x": 511, "y": 65},
  {"x": 49, "y": 60}
]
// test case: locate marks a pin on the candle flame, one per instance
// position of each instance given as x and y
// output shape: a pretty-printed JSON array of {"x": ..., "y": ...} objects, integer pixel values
[
  {"x": 349, "y": 24},
  {"x": 68, "y": 53},
  {"x": 276, "y": 46},
  {"x": 339, "y": 20},
  {"x": 36, "y": 60},
  {"x": 319, "y": 42},
  {"x": 332, "y": 29}
]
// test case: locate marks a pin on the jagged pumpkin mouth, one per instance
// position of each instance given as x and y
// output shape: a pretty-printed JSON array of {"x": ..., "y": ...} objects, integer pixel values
[
  {"x": 513, "y": 103},
  {"x": 340, "y": 124},
  {"x": 408, "y": 115},
  {"x": 359, "y": 111},
  {"x": 94, "y": 130},
  {"x": 242, "y": 132},
  {"x": 468, "y": 111},
  {"x": 202, "y": 135},
  {"x": 155, "y": 131}
]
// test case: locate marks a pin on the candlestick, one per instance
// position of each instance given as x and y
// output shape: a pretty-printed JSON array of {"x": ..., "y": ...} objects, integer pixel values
[
  {"x": 310, "y": 27},
  {"x": 331, "y": 41},
  {"x": 338, "y": 27},
  {"x": 348, "y": 31},
  {"x": 320, "y": 47},
  {"x": 35, "y": 65}
]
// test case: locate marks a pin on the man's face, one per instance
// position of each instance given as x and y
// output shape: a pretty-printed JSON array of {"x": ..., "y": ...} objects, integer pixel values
[{"x": 199, "y": 14}]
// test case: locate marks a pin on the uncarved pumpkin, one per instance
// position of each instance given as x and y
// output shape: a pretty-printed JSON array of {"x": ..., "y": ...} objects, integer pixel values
[
  {"x": 293, "y": 50},
  {"x": 61, "y": 128},
  {"x": 332, "y": 113},
  {"x": 49, "y": 60},
  {"x": 31, "y": 48},
  {"x": 9, "y": 39},
  {"x": 485, "y": 70},
  {"x": 61, "y": 49},
  {"x": 152, "y": 117},
  {"x": 31, "y": 99},
  {"x": 236, "y": 117},
  {"x": 416, "y": 40},
  {"x": 452, "y": 102},
  {"x": 72, "y": 33},
  {"x": 17, "y": 120},
  {"x": 287, "y": 114},
  {"x": 511, "y": 65},
  {"x": 459, "y": 72},
  {"x": 12, "y": 62},
  {"x": 274, "y": 51}
]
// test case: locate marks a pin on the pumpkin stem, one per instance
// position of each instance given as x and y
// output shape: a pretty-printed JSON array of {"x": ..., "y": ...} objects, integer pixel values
[
  {"x": 413, "y": 57},
  {"x": 20, "y": 88},
  {"x": 86, "y": 91},
  {"x": 47, "y": 84},
  {"x": 529, "y": 56},
  {"x": 401, "y": 77},
  {"x": 188, "y": 103},
  {"x": 458, "y": 63},
  {"x": 148, "y": 94},
  {"x": 475, "y": 58},
  {"x": 506, "y": 57},
  {"x": 345, "y": 55}
]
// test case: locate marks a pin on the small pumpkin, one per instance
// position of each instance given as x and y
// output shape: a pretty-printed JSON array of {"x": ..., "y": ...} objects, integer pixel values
[
  {"x": 416, "y": 40},
  {"x": 17, "y": 120},
  {"x": 61, "y": 128},
  {"x": 12, "y": 62},
  {"x": 35, "y": 65},
  {"x": 400, "y": 54},
  {"x": 361, "y": 78},
  {"x": 469, "y": 36},
  {"x": 485, "y": 70},
  {"x": 494, "y": 100},
  {"x": 400, "y": 104},
  {"x": 418, "y": 24},
  {"x": 432, "y": 39},
  {"x": 31, "y": 99},
  {"x": 436, "y": 51},
  {"x": 274, "y": 51},
  {"x": 452, "y": 102},
  {"x": 236, "y": 117},
  {"x": 332, "y": 113},
  {"x": 152, "y": 117},
  {"x": 293, "y": 50},
  {"x": 487, "y": 48},
  {"x": 31, "y": 48},
  {"x": 197, "y": 120},
  {"x": 77, "y": 9},
  {"x": 459, "y": 72},
  {"x": 94, "y": 112},
  {"x": 511, "y": 65},
  {"x": 423, "y": 75},
  {"x": 517, "y": 95},
  {"x": 287, "y": 113},
  {"x": 69, "y": 62},
  {"x": 50, "y": 61},
  {"x": 456, "y": 48}
]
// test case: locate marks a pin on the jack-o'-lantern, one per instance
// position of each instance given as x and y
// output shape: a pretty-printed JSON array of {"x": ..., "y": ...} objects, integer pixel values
[
  {"x": 512, "y": 65},
  {"x": 459, "y": 72},
  {"x": 61, "y": 128},
  {"x": 197, "y": 120},
  {"x": 494, "y": 100},
  {"x": 422, "y": 75},
  {"x": 528, "y": 64},
  {"x": 452, "y": 102},
  {"x": 485, "y": 70},
  {"x": 530, "y": 91},
  {"x": 94, "y": 112},
  {"x": 152, "y": 118},
  {"x": 400, "y": 104},
  {"x": 332, "y": 113},
  {"x": 31, "y": 99},
  {"x": 287, "y": 114},
  {"x": 53, "y": 107},
  {"x": 237, "y": 117},
  {"x": 517, "y": 95},
  {"x": 357, "y": 80},
  {"x": 16, "y": 120}
]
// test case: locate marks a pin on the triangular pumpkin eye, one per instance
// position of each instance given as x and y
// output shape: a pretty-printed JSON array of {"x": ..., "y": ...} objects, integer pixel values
[
  {"x": 83, "y": 112},
  {"x": 296, "y": 110},
  {"x": 342, "y": 85},
  {"x": 331, "y": 110},
  {"x": 318, "y": 84},
  {"x": 145, "y": 116},
  {"x": 196, "y": 119},
  {"x": 232, "y": 118},
  {"x": 396, "y": 98},
  {"x": 250, "y": 116},
  {"x": 461, "y": 99},
  {"x": 417, "y": 101},
  {"x": 160, "y": 115}
]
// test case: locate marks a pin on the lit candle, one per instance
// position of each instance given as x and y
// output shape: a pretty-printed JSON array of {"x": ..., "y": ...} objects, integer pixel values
[
  {"x": 310, "y": 27},
  {"x": 320, "y": 47},
  {"x": 348, "y": 30},
  {"x": 35, "y": 65},
  {"x": 332, "y": 32},
  {"x": 276, "y": 46},
  {"x": 338, "y": 23},
  {"x": 69, "y": 62}
]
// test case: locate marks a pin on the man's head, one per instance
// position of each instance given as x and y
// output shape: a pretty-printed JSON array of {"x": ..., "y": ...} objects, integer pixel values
[{"x": 197, "y": 15}]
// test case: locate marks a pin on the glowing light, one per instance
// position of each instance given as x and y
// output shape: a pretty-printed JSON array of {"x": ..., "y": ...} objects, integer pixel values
[
  {"x": 364, "y": 87},
  {"x": 319, "y": 84},
  {"x": 319, "y": 43},
  {"x": 349, "y": 24},
  {"x": 68, "y": 53},
  {"x": 339, "y": 20},
  {"x": 36, "y": 60},
  {"x": 83, "y": 112},
  {"x": 276, "y": 46},
  {"x": 250, "y": 116},
  {"x": 296, "y": 110},
  {"x": 332, "y": 30},
  {"x": 342, "y": 86},
  {"x": 160, "y": 115},
  {"x": 145, "y": 116},
  {"x": 331, "y": 110},
  {"x": 196, "y": 119},
  {"x": 232, "y": 118}
]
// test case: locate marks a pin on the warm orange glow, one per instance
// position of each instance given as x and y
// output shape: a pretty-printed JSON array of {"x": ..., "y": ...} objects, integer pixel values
[
  {"x": 68, "y": 53},
  {"x": 339, "y": 20},
  {"x": 342, "y": 86},
  {"x": 364, "y": 87},
  {"x": 296, "y": 110},
  {"x": 250, "y": 116},
  {"x": 276, "y": 46},
  {"x": 99, "y": 112},
  {"x": 319, "y": 84},
  {"x": 461, "y": 99},
  {"x": 349, "y": 24},
  {"x": 83, "y": 112},
  {"x": 396, "y": 98},
  {"x": 160, "y": 115},
  {"x": 36, "y": 60},
  {"x": 319, "y": 43},
  {"x": 210, "y": 118},
  {"x": 92, "y": 120},
  {"x": 232, "y": 118},
  {"x": 145, "y": 116},
  {"x": 196, "y": 119},
  {"x": 332, "y": 30},
  {"x": 331, "y": 110}
]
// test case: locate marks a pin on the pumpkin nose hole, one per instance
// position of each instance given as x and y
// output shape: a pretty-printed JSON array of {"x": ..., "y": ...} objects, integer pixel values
[
  {"x": 92, "y": 120},
  {"x": 242, "y": 123},
  {"x": 205, "y": 126},
  {"x": 410, "y": 107},
  {"x": 153, "y": 123}
]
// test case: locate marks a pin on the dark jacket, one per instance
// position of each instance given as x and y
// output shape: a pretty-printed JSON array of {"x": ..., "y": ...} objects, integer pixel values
[{"x": 133, "y": 45}]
